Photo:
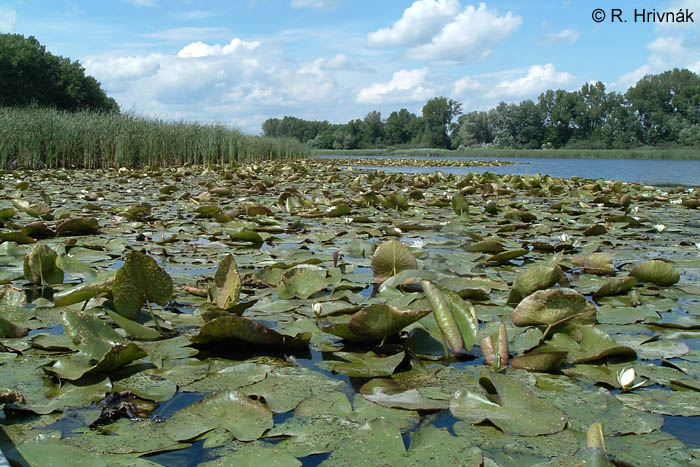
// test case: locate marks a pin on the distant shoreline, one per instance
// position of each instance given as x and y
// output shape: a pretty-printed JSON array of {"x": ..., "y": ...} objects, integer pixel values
[{"x": 639, "y": 153}]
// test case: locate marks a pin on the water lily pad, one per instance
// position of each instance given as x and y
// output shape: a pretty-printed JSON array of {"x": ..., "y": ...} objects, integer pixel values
[
  {"x": 10, "y": 329},
  {"x": 554, "y": 308},
  {"x": 40, "y": 266},
  {"x": 302, "y": 282},
  {"x": 390, "y": 258},
  {"x": 140, "y": 280},
  {"x": 84, "y": 291},
  {"x": 541, "y": 361},
  {"x": 375, "y": 322},
  {"x": 244, "y": 331},
  {"x": 684, "y": 403},
  {"x": 389, "y": 393},
  {"x": 595, "y": 263},
  {"x": 595, "y": 344},
  {"x": 234, "y": 411},
  {"x": 616, "y": 286},
  {"x": 367, "y": 365},
  {"x": 77, "y": 226},
  {"x": 506, "y": 256},
  {"x": 227, "y": 284},
  {"x": 534, "y": 278},
  {"x": 508, "y": 406},
  {"x": 655, "y": 272}
]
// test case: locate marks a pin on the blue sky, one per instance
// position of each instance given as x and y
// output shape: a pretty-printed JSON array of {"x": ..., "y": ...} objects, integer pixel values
[{"x": 239, "y": 62}]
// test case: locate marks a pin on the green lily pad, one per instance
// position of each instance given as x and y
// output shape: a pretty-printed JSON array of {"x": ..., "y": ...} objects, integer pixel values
[
  {"x": 595, "y": 263},
  {"x": 616, "y": 286},
  {"x": 595, "y": 344},
  {"x": 227, "y": 284},
  {"x": 554, "y": 308},
  {"x": 367, "y": 365},
  {"x": 683, "y": 403},
  {"x": 242, "y": 330},
  {"x": 10, "y": 329},
  {"x": 508, "y": 406},
  {"x": 77, "y": 227},
  {"x": 389, "y": 393},
  {"x": 534, "y": 278},
  {"x": 390, "y": 258},
  {"x": 302, "y": 282},
  {"x": 234, "y": 411},
  {"x": 542, "y": 361},
  {"x": 40, "y": 266},
  {"x": 655, "y": 272},
  {"x": 375, "y": 322},
  {"x": 140, "y": 280},
  {"x": 84, "y": 291}
]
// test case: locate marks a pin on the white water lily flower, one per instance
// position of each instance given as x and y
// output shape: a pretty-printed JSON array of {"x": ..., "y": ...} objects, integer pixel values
[
  {"x": 564, "y": 237},
  {"x": 660, "y": 227},
  {"x": 317, "y": 309},
  {"x": 418, "y": 244},
  {"x": 697, "y": 245},
  {"x": 636, "y": 218},
  {"x": 626, "y": 378},
  {"x": 347, "y": 220},
  {"x": 676, "y": 201}
]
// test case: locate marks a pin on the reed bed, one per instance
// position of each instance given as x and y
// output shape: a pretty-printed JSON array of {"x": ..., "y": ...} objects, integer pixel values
[
  {"x": 37, "y": 138},
  {"x": 681, "y": 153}
]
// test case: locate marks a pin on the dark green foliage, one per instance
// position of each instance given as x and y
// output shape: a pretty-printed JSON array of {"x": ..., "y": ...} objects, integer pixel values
[
  {"x": 31, "y": 75},
  {"x": 660, "y": 110}
]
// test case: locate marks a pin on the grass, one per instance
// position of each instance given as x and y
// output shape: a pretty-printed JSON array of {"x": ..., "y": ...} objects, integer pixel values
[
  {"x": 36, "y": 138},
  {"x": 638, "y": 153}
]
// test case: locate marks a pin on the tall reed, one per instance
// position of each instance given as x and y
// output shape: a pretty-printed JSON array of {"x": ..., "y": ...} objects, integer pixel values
[{"x": 36, "y": 138}]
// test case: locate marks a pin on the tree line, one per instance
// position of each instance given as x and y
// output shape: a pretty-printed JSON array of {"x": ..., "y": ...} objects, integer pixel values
[
  {"x": 29, "y": 75},
  {"x": 659, "y": 110}
]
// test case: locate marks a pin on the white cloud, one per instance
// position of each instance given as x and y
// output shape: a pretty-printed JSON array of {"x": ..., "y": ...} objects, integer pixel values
[
  {"x": 310, "y": 3},
  {"x": 148, "y": 3},
  {"x": 465, "y": 85},
  {"x": 440, "y": 30},
  {"x": 682, "y": 5},
  {"x": 539, "y": 78},
  {"x": 200, "y": 49},
  {"x": 229, "y": 83},
  {"x": 405, "y": 85},
  {"x": 666, "y": 52},
  {"x": 565, "y": 36},
  {"x": 420, "y": 23},
  {"x": 8, "y": 20}
]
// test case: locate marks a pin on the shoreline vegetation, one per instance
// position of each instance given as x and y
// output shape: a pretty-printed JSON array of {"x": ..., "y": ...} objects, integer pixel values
[
  {"x": 39, "y": 138},
  {"x": 683, "y": 153}
]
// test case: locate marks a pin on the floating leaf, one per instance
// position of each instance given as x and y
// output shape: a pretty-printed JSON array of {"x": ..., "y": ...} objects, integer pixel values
[
  {"x": 595, "y": 344},
  {"x": 595, "y": 263},
  {"x": 443, "y": 316},
  {"x": 140, "y": 280},
  {"x": 234, "y": 411},
  {"x": 507, "y": 405},
  {"x": 367, "y": 365},
  {"x": 656, "y": 272},
  {"x": 302, "y": 282},
  {"x": 78, "y": 226},
  {"x": 85, "y": 291},
  {"x": 534, "y": 278},
  {"x": 227, "y": 284},
  {"x": 242, "y": 330},
  {"x": 616, "y": 286},
  {"x": 375, "y": 322},
  {"x": 460, "y": 205},
  {"x": 40, "y": 266},
  {"x": 540, "y": 361},
  {"x": 390, "y": 258},
  {"x": 554, "y": 308},
  {"x": 389, "y": 393}
]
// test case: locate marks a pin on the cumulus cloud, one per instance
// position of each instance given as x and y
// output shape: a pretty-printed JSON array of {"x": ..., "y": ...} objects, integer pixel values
[
  {"x": 539, "y": 78},
  {"x": 227, "y": 82},
  {"x": 441, "y": 30},
  {"x": 420, "y": 23},
  {"x": 200, "y": 49},
  {"x": 666, "y": 52},
  {"x": 466, "y": 85},
  {"x": 8, "y": 20},
  {"x": 565, "y": 36},
  {"x": 405, "y": 85}
]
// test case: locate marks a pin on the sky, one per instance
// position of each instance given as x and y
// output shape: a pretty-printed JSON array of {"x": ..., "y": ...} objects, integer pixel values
[{"x": 239, "y": 62}]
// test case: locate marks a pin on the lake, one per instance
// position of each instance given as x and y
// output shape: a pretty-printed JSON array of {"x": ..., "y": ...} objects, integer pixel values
[{"x": 647, "y": 171}]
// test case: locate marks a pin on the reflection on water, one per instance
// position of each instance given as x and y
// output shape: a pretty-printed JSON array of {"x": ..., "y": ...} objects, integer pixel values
[{"x": 648, "y": 171}]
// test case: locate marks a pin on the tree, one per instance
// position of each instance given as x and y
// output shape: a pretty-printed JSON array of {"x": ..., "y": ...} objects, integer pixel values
[
  {"x": 438, "y": 113},
  {"x": 31, "y": 75},
  {"x": 666, "y": 104},
  {"x": 400, "y": 127},
  {"x": 372, "y": 130}
]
